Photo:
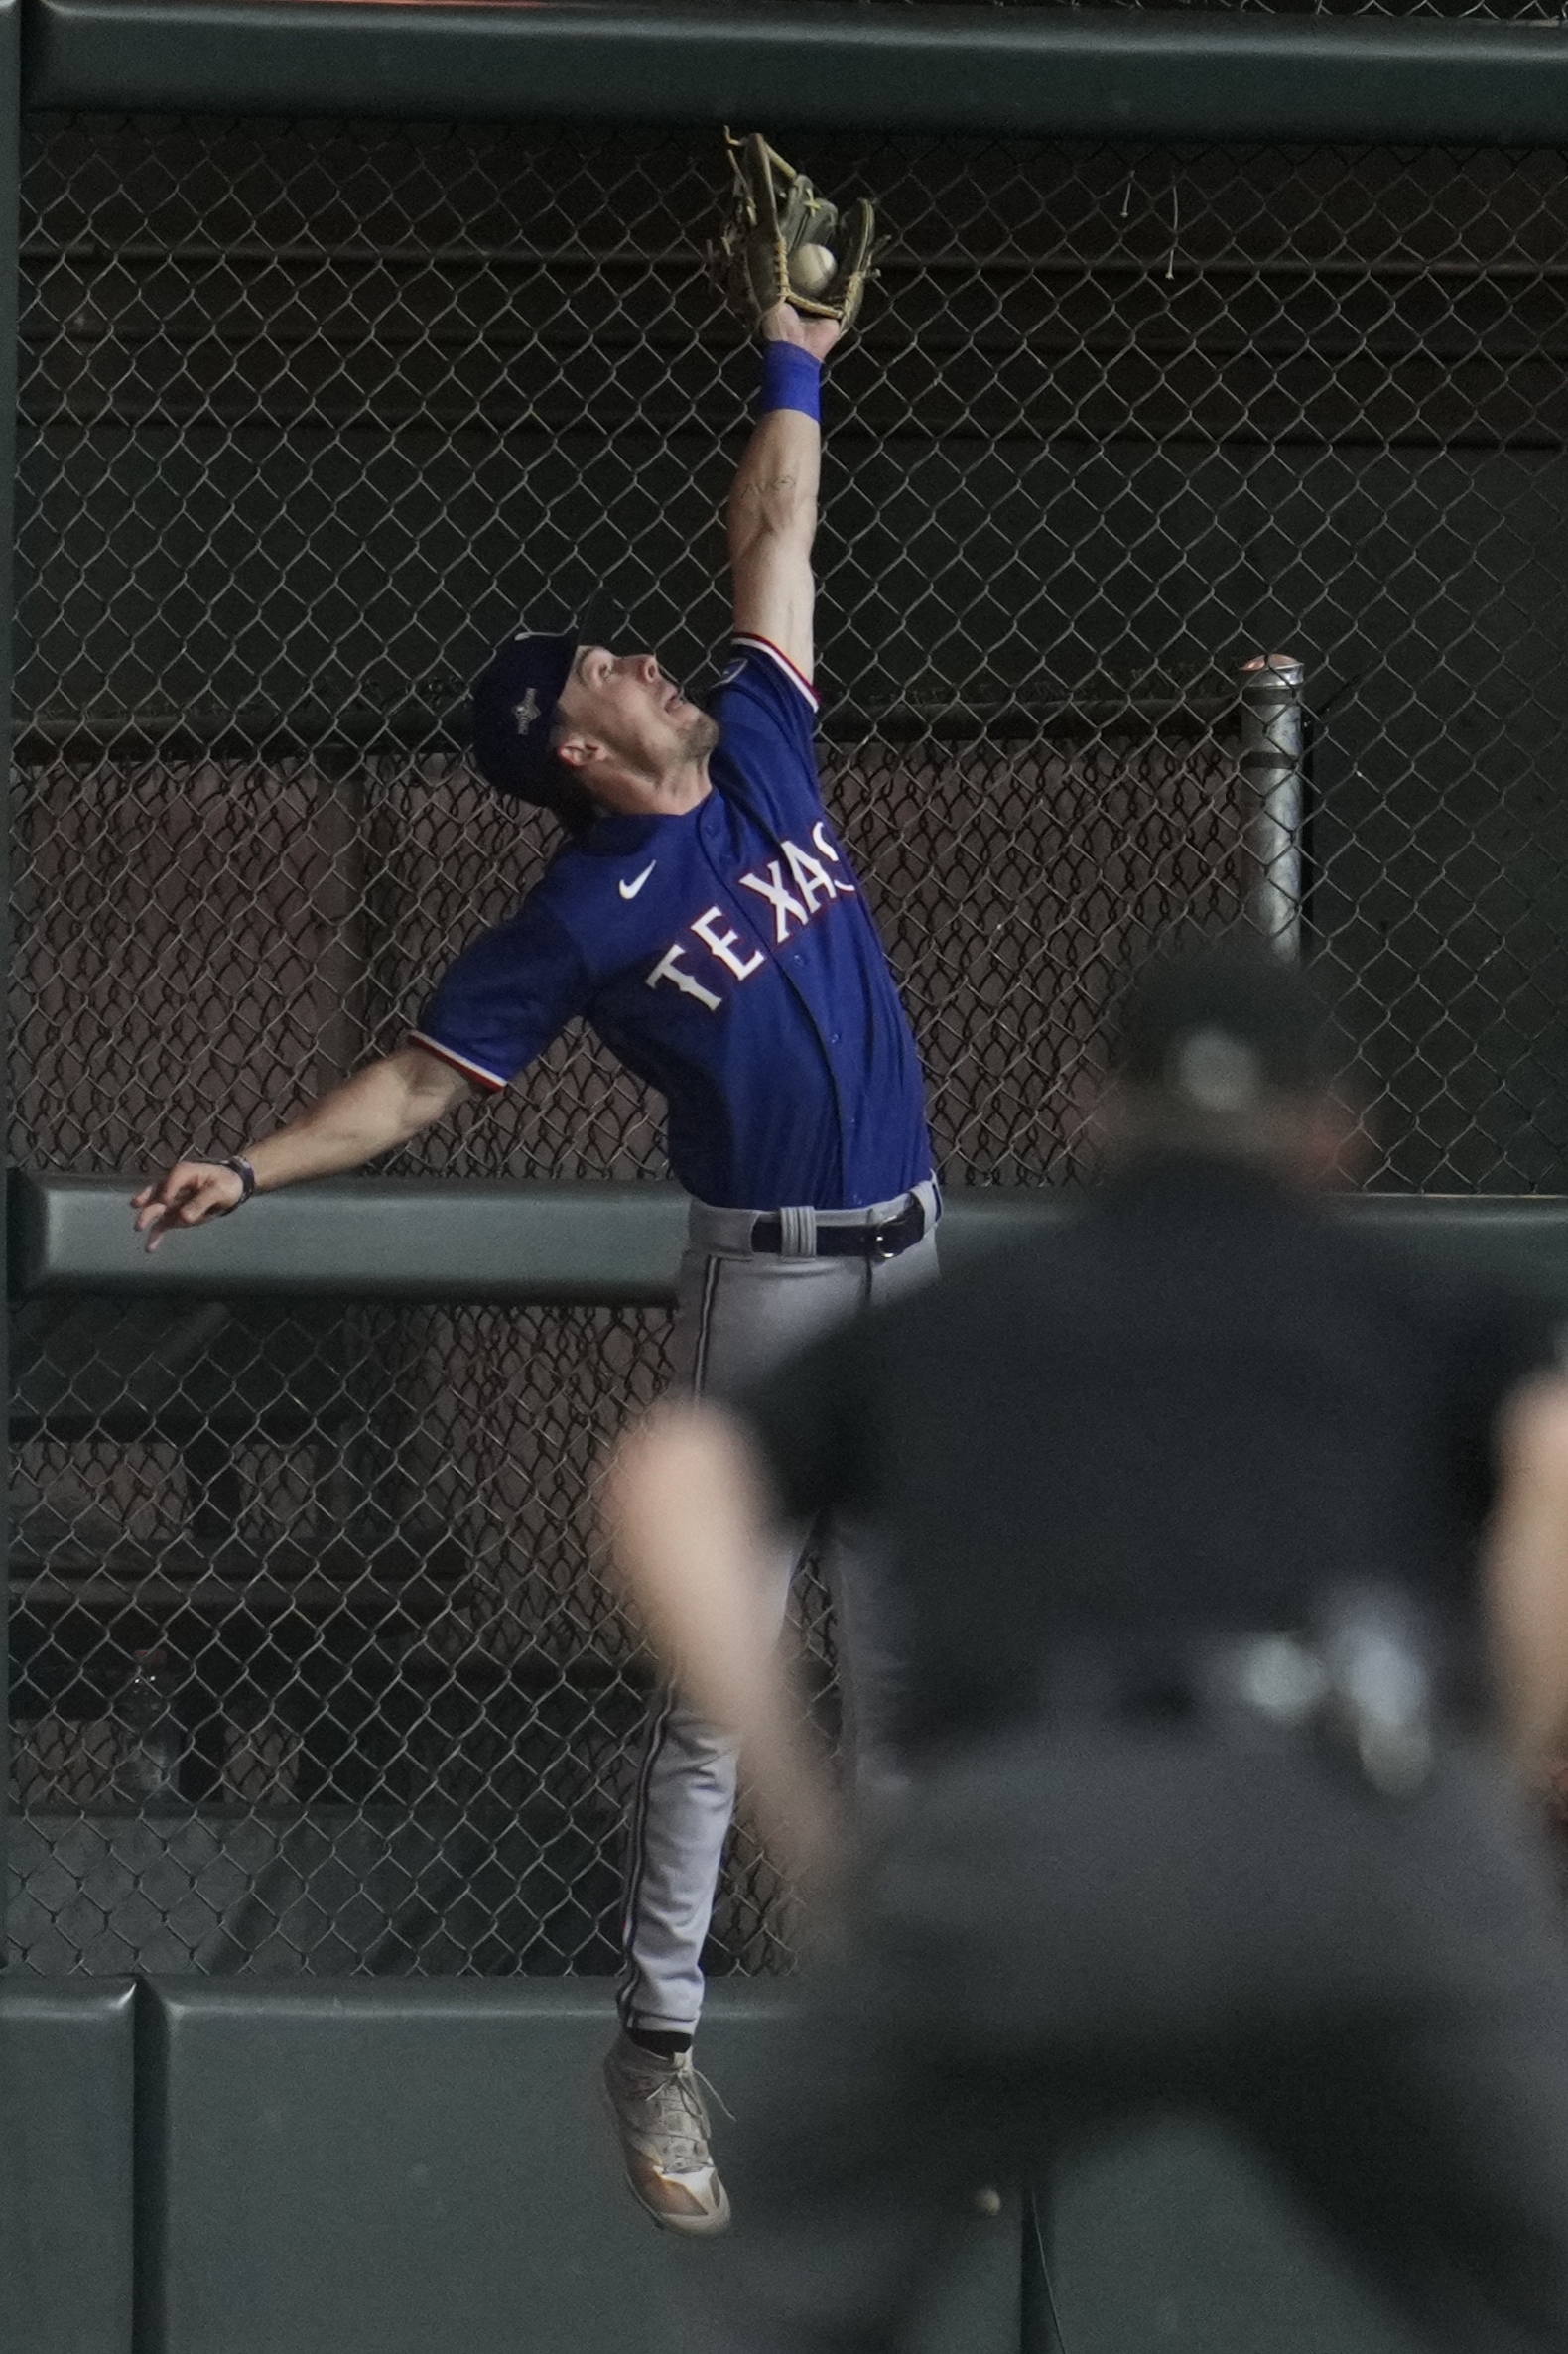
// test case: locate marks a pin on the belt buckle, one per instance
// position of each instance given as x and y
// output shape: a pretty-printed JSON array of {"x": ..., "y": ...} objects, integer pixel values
[{"x": 893, "y": 1234}]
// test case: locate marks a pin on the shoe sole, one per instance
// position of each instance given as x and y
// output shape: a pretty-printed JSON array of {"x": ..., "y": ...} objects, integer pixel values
[{"x": 698, "y": 2227}]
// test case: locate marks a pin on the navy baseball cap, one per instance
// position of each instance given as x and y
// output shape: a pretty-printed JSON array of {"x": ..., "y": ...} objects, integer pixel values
[{"x": 512, "y": 711}]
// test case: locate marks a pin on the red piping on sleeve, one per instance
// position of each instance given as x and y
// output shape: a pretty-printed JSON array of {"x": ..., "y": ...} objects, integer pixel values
[
  {"x": 765, "y": 645},
  {"x": 473, "y": 1071}
]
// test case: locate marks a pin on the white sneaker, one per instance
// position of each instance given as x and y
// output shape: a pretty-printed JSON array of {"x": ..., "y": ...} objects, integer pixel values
[{"x": 658, "y": 2111}]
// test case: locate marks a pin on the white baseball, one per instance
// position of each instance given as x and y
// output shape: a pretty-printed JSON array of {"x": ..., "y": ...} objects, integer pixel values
[{"x": 811, "y": 268}]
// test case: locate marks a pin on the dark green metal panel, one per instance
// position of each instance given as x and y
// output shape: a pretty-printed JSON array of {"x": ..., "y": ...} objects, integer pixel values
[
  {"x": 870, "y": 68},
  {"x": 422, "y": 2167},
  {"x": 66, "y": 2075},
  {"x": 488, "y": 1240}
]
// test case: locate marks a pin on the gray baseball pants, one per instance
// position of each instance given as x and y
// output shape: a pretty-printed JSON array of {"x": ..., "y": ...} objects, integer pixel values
[{"x": 740, "y": 1312}]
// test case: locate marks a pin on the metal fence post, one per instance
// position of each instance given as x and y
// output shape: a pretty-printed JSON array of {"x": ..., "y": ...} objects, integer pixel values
[{"x": 1274, "y": 763}]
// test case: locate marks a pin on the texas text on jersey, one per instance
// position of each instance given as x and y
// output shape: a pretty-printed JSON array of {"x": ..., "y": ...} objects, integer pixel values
[{"x": 728, "y": 957}]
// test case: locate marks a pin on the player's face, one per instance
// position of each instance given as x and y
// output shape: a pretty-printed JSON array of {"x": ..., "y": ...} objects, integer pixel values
[{"x": 635, "y": 720}]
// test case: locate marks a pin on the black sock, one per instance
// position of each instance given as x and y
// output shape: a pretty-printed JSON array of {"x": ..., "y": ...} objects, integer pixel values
[{"x": 660, "y": 2042}]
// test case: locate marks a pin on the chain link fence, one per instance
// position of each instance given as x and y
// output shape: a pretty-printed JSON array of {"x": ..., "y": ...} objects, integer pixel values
[
  {"x": 311, "y": 1666},
  {"x": 1533, "y": 12}
]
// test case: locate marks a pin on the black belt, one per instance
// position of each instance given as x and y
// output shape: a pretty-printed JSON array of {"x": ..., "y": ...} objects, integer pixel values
[{"x": 882, "y": 1242}]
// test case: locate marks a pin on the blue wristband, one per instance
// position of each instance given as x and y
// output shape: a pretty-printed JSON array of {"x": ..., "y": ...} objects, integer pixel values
[{"x": 791, "y": 379}]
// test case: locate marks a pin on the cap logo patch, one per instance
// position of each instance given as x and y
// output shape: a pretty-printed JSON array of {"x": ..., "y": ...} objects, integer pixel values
[{"x": 527, "y": 712}]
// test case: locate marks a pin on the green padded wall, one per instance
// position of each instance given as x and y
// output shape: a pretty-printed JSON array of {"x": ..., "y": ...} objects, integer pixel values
[
  {"x": 512, "y": 1239},
  {"x": 66, "y": 2077},
  {"x": 419, "y": 2168},
  {"x": 422, "y": 2165},
  {"x": 1060, "y": 73}
]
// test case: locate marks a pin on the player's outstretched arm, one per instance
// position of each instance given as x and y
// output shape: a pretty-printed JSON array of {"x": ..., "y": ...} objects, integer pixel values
[
  {"x": 382, "y": 1107},
  {"x": 772, "y": 517}
]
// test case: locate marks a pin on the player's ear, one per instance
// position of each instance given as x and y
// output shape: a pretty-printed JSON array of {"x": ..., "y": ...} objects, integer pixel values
[{"x": 577, "y": 751}]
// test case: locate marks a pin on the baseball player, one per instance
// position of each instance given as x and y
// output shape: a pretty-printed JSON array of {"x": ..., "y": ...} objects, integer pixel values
[{"x": 703, "y": 914}]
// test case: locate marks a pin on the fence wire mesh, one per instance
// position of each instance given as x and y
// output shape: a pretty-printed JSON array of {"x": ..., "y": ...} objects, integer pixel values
[
  {"x": 309, "y": 415},
  {"x": 1540, "y": 12},
  {"x": 1537, "y": 12}
]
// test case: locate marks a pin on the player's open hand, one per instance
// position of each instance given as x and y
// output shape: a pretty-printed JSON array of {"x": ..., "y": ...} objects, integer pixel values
[
  {"x": 784, "y": 324},
  {"x": 187, "y": 1195}
]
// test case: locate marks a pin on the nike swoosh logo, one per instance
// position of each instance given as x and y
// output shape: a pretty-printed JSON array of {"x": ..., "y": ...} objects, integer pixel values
[{"x": 629, "y": 890}]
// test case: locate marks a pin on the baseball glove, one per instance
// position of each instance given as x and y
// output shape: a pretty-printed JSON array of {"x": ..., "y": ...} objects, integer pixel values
[{"x": 783, "y": 243}]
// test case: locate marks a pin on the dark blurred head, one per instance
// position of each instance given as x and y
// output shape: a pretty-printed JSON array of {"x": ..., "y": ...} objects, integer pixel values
[{"x": 1224, "y": 1049}]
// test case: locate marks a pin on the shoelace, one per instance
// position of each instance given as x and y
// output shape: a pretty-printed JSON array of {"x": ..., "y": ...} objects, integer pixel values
[{"x": 676, "y": 2113}]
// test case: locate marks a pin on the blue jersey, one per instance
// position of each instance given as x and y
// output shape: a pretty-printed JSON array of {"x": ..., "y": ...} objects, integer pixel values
[{"x": 728, "y": 957}]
